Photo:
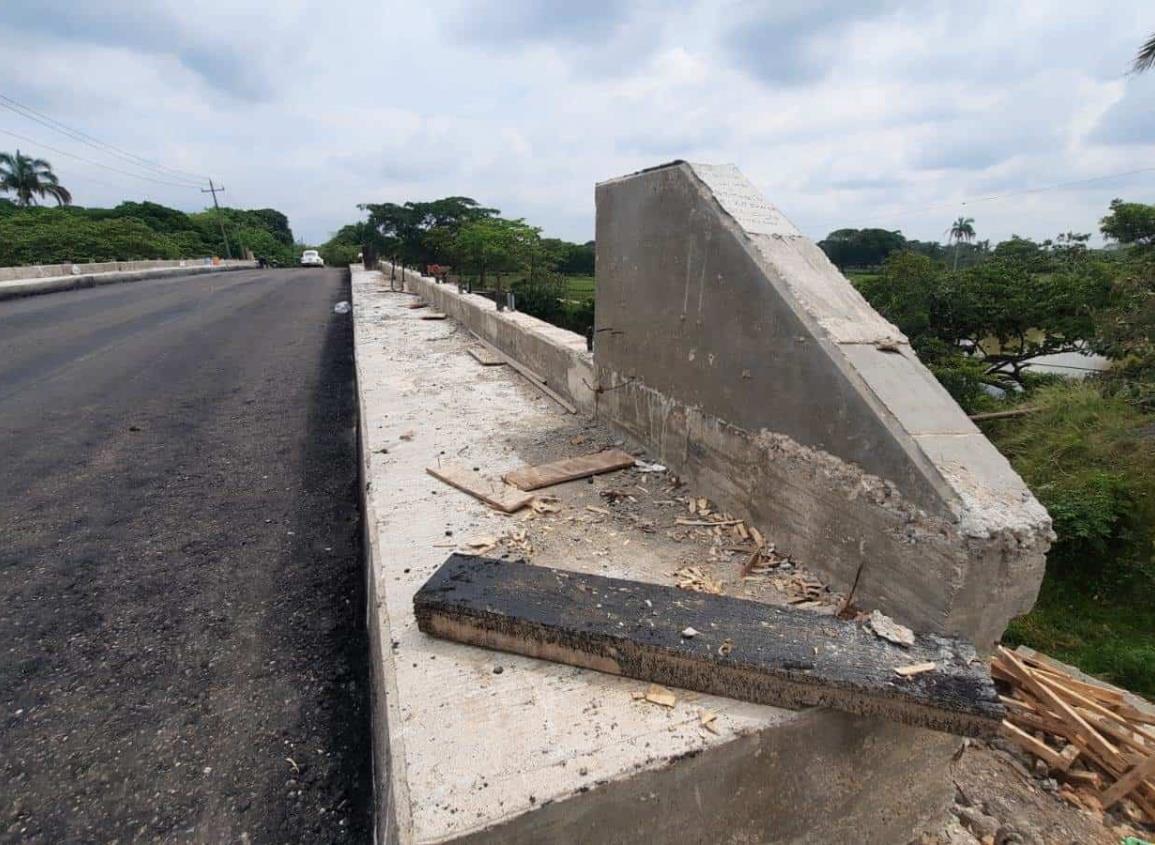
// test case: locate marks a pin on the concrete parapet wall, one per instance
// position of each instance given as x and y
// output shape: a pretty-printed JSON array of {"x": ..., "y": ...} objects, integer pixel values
[
  {"x": 15, "y": 288},
  {"x": 545, "y": 752},
  {"x": 44, "y": 271},
  {"x": 729, "y": 344},
  {"x": 556, "y": 356}
]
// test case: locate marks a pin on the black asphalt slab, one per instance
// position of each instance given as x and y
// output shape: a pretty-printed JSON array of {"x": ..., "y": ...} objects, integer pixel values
[{"x": 182, "y": 639}]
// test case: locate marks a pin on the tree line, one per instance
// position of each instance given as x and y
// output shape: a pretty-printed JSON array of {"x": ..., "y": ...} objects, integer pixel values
[
  {"x": 482, "y": 248},
  {"x": 137, "y": 231},
  {"x": 461, "y": 233}
]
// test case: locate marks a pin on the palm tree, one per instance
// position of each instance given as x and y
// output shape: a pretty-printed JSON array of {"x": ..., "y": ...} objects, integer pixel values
[
  {"x": 29, "y": 178},
  {"x": 1145, "y": 60},
  {"x": 962, "y": 229}
]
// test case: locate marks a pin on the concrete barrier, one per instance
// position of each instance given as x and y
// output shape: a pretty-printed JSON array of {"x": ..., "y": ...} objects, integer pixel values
[
  {"x": 558, "y": 358},
  {"x": 732, "y": 347},
  {"x": 544, "y": 752},
  {"x": 107, "y": 274},
  {"x": 736, "y": 353},
  {"x": 46, "y": 271}
]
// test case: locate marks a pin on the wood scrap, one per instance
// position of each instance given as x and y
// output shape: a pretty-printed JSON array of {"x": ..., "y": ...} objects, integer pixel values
[
  {"x": 1083, "y": 731},
  {"x": 486, "y": 357},
  {"x": 692, "y": 578},
  {"x": 657, "y": 694},
  {"x": 890, "y": 630},
  {"x": 915, "y": 669},
  {"x": 492, "y": 491},
  {"x": 745, "y": 649},
  {"x": 433, "y": 315},
  {"x": 569, "y": 469}
]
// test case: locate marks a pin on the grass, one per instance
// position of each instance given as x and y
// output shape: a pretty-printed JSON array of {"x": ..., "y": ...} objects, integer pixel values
[
  {"x": 857, "y": 276},
  {"x": 1106, "y": 630},
  {"x": 580, "y": 287},
  {"x": 577, "y": 287},
  {"x": 1088, "y": 459}
]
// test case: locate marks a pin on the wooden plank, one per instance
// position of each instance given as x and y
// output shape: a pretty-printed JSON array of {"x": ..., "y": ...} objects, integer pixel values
[
  {"x": 1123, "y": 786},
  {"x": 490, "y": 490},
  {"x": 486, "y": 357},
  {"x": 433, "y": 315},
  {"x": 1082, "y": 734},
  {"x": 1040, "y": 663},
  {"x": 743, "y": 649},
  {"x": 1080, "y": 700},
  {"x": 569, "y": 469},
  {"x": 1035, "y": 746}
]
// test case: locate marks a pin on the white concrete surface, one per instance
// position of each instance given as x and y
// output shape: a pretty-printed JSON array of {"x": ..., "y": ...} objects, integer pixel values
[{"x": 467, "y": 754}]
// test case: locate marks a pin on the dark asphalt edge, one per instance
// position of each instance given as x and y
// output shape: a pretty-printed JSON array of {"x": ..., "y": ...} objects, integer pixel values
[
  {"x": 362, "y": 664},
  {"x": 38, "y": 287}
]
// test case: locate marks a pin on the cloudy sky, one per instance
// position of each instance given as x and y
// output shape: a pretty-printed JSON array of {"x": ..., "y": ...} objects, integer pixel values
[{"x": 886, "y": 113}]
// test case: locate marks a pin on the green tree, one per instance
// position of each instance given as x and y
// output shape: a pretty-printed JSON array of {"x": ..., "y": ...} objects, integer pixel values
[
  {"x": 424, "y": 232},
  {"x": 1130, "y": 223},
  {"x": 1001, "y": 313},
  {"x": 861, "y": 247},
  {"x": 29, "y": 178},
  {"x": 963, "y": 229},
  {"x": 493, "y": 244}
]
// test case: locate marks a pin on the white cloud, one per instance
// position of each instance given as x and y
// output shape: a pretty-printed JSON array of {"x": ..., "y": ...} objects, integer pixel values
[{"x": 845, "y": 114}]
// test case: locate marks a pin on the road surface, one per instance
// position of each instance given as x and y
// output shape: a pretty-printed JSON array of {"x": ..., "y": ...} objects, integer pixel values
[{"x": 182, "y": 648}]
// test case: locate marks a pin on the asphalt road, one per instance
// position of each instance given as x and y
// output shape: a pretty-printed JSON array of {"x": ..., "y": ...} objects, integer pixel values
[{"x": 182, "y": 646}]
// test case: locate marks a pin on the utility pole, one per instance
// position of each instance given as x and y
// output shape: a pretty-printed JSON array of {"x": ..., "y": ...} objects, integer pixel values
[{"x": 212, "y": 189}]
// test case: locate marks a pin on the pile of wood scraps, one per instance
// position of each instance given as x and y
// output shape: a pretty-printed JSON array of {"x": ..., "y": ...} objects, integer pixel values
[
  {"x": 1090, "y": 737},
  {"x": 510, "y": 493}
]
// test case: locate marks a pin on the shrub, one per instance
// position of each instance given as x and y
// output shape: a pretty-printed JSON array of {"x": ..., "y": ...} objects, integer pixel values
[{"x": 1088, "y": 459}]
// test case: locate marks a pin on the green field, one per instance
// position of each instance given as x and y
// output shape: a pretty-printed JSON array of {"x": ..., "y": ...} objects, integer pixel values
[{"x": 580, "y": 287}]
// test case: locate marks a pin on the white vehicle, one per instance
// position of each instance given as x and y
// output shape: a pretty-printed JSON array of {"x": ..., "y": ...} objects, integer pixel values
[{"x": 312, "y": 258}]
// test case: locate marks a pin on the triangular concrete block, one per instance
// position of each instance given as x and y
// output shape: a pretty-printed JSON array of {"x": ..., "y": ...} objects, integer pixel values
[{"x": 729, "y": 342}]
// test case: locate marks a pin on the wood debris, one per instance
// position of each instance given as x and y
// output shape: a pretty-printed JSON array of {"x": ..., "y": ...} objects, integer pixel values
[
  {"x": 545, "y": 504},
  {"x": 915, "y": 669},
  {"x": 1084, "y": 732},
  {"x": 482, "y": 545},
  {"x": 657, "y": 694},
  {"x": 890, "y": 630},
  {"x": 569, "y": 469},
  {"x": 707, "y": 719},
  {"x": 493, "y": 491},
  {"x": 486, "y": 357},
  {"x": 692, "y": 578},
  {"x": 433, "y": 315}
]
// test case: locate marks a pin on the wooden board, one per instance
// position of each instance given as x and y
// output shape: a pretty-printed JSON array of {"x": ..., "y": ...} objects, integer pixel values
[
  {"x": 569, "y": 469},
  {"x": 490, "y": 490},
  {"x": 485, "y": 357},
  {"x": 433, "y": 315},
  {"x": 744, "y": 649}
]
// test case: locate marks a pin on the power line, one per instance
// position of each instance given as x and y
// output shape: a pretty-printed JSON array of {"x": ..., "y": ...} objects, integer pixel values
[
  {"x": 83, "y": 137},
  {"x": 28, "y": 140}
]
